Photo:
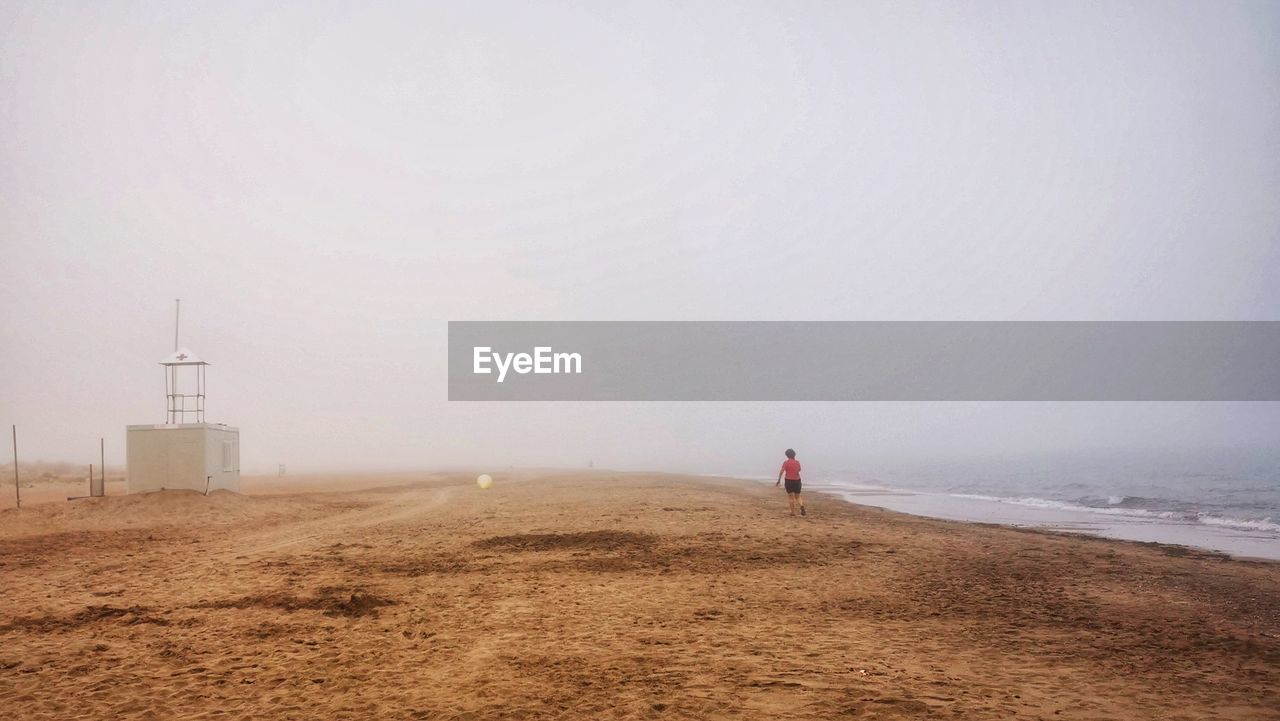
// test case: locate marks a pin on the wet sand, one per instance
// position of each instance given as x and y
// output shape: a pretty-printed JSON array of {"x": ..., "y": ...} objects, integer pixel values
[
  {"x": 1234, "y": 541},
  {"x": 583, "y": 596}
]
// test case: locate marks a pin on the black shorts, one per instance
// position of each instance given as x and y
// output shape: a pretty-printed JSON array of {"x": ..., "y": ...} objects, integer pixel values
[{"x": 792, "y": 486}]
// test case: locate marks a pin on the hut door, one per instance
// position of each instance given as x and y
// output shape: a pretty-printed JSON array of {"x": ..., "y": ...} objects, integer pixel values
[{"x": 184, "y": 462}]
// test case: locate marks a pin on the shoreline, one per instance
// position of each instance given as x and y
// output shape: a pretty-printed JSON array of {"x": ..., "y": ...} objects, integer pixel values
[
  {"x": 1234, "y": 542},
  {"x": 1053, "y": 531}
]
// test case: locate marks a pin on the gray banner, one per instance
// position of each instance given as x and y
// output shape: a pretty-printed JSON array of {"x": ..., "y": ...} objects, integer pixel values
[{"x": 864, "y": 361}]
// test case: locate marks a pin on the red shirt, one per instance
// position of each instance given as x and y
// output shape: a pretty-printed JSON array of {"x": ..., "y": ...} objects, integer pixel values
[{"x": 792, "y": 468}]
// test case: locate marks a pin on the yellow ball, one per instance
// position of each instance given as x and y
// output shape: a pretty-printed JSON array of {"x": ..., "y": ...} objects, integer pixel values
[{"x": 484, "y": 480}]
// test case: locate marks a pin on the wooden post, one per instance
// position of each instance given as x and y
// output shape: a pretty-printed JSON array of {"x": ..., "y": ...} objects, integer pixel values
[
  {"x": 17, "y": 487},
  {"x": 102, "y": 466}
]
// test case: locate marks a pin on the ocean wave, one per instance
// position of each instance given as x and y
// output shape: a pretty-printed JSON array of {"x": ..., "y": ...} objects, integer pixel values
[
  {"x": 1033, "y": 502},
  {"x": 1249, "y": 524},
  {"x": 1265, "y": 524}
]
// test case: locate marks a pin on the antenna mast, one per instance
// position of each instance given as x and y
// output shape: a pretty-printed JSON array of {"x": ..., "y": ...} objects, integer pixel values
[{"x": 176, "y": 390}]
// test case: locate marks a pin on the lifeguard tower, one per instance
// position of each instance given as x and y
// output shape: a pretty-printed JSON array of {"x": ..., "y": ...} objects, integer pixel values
[{"x": 184, "y": 452}]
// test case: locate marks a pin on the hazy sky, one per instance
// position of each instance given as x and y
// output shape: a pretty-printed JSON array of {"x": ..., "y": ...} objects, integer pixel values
[{"x": 326, "y": 184}]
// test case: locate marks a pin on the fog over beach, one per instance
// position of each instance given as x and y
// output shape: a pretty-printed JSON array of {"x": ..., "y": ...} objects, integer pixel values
[
  {"x": 325, "y": 189},
  {"x": 330, "y": 187}
]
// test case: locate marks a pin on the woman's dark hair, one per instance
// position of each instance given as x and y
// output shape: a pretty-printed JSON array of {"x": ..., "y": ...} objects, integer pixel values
[{"x": 791, "y": 453}]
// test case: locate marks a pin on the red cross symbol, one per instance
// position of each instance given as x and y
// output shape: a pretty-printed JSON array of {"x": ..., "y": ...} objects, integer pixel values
[{"x": 182, "y": 356}]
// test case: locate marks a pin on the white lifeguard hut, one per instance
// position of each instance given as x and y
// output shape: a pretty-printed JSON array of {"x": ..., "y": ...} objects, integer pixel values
[{"x": 184, "y": 452}]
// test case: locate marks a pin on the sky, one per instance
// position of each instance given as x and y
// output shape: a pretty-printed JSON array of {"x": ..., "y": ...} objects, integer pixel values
[{"x": 325, "y": 185}]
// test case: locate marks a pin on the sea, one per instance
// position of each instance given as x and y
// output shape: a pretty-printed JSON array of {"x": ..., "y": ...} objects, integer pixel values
[{"x": 1225, "y": 500}]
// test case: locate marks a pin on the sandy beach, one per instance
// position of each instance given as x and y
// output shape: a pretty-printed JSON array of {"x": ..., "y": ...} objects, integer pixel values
[{"x": 607, "y": 595}]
